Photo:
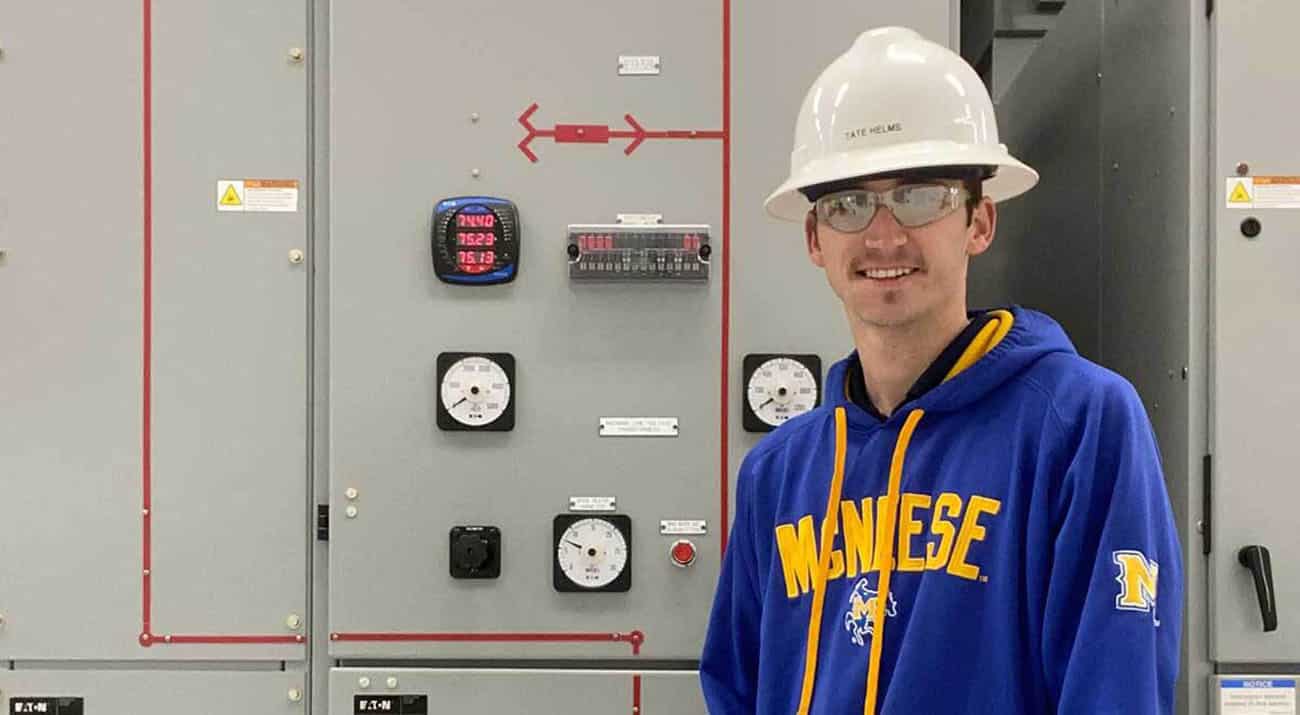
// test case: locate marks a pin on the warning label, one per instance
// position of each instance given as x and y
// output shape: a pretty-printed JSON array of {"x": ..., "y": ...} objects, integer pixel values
[
  {"x": 257, "y": 195},
  {"x": 1257, "y": 697},
  {"x": 1263, "y": 192},
  {"x": 1239, "y": 192}
]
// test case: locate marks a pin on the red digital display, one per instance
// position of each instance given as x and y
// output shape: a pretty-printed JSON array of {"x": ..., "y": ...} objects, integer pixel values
[
  {"x": 475, "y": 261},
  {"x": 487, "y": 220},
  {"x": 476, "y": 239},
  {"x": 475, "y": 232}
]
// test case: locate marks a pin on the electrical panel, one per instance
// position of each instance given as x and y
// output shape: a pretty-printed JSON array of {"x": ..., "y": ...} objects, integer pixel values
[{"x": 310, "y": 373}]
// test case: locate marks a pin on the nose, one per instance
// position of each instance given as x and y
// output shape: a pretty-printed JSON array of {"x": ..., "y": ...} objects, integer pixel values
[{"x": 884, "y": 229}]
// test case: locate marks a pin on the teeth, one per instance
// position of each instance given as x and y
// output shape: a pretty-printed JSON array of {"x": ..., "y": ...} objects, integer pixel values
[{"x": 888, "y": 272}]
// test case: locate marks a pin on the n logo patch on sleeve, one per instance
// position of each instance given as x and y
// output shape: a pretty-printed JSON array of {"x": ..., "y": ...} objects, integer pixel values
[{"x": 1137, "y": 579}]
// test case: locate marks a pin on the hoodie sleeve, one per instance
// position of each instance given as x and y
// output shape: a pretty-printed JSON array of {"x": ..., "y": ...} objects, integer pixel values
[
  {"x": 1113, "y": 615},
  {"x": 729, "y": 663}
]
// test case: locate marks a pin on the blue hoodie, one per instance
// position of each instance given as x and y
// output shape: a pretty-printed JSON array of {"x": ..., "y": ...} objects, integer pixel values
[{"x": 1035, "y": 562}]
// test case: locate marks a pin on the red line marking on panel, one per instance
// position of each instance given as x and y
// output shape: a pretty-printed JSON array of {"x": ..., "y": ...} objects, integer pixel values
[
  {"x": 633, "y": 638},
  {"x": 147, "y": 330},
  {"x": 602, "y": 133},
  {"x": 225, "y": 640},
  {"x": 147, "y": 637}
]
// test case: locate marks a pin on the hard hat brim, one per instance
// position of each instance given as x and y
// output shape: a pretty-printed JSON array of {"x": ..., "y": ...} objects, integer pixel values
[{"x": 1013, "y": 177}]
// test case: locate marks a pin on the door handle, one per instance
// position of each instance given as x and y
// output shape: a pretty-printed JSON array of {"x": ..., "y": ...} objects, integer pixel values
[{"x": 1255, "y": 558}]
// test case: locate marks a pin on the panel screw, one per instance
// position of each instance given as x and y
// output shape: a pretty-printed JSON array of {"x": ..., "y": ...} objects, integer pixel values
[
  {"x": 1200, "y": 526},
  {"x": 296, "y": 54},
  {"x": 295, "y": 695},
  {"x": 364, "y": 682},
  {"x": 392, "y": 682},
  {"x": 1243, "y": 168},
  {"x": 3, "y": 255},
  {"x": 296, "y": 256},
  {"x": 351, "y": 512},
  {"x": 294, "y": 622},
  {"x": 474, "y": 117},
  {"x": 351, "y": 493},
  {"x": 475, "y": 173},
  {"x": 1250, "y": 228},
  {"x": 1184, "y": 372}
]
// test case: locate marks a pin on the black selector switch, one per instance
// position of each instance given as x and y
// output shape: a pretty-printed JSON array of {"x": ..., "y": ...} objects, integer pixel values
[{"x": 475, "y": 552}]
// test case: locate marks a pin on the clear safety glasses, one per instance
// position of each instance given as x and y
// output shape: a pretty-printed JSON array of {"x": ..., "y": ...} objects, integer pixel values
[{"x": 913, "y": 205}]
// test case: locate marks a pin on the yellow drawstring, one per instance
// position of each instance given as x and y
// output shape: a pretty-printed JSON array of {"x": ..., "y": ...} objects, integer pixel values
[
  {"x": 824, "y": 562},
  {"x": 886, "y": 560}
]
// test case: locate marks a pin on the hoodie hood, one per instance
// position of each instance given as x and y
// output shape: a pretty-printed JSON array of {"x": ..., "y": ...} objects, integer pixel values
[{"x": 1011, "y": 344}]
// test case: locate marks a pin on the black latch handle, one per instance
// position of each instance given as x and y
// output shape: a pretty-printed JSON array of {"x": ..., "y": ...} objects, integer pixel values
[{"x": 1256, "y": 559}]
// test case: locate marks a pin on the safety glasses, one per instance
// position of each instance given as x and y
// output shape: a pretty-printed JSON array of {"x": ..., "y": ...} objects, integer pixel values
[{"x": 913, "y": 205}]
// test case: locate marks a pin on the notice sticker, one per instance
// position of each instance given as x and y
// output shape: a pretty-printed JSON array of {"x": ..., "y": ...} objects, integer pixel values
[
  {"x": 257, "y": 195},
  {"x": 1257, "y": 696},
  {"x": 1263, "y": 192}
]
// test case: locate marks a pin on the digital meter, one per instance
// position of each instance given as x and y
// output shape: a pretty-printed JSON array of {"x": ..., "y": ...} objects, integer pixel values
[
  {"x": 476, "y": 240},
  {"x": 631, "y": 252}
]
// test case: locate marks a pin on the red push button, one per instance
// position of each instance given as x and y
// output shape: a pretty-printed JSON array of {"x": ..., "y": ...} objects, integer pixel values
[{"x": 683, "y": 553}]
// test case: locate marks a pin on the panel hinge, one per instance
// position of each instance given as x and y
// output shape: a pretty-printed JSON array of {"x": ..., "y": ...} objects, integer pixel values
[
  {"x": 322, "y": 522},
  {"x": 1207, "y": 505}
]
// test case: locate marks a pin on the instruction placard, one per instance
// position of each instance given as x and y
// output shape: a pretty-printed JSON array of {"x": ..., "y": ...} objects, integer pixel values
[
  {"x": 1263, "y": 192},
  {"x": 1257, "y": 696},
  {"x": 257, "y": 195}
]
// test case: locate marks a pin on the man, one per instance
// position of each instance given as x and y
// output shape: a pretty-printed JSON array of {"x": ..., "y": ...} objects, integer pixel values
[{"x": 975, "y": 521}]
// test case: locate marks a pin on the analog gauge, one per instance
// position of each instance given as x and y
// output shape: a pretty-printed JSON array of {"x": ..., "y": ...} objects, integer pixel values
[
  {"x": 778, "y": 388},
  {"x": 476, "y": 391},
  {"x": 593, "y": 553}
]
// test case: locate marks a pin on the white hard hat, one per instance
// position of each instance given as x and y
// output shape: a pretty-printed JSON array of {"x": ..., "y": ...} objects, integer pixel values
[{"x": 895, "y": 101}]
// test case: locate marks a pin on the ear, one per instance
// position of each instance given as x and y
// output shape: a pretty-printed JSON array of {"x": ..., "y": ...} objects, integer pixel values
[
  {"x": 984, "y": 222},
  {"x": 814, "y": 244}
]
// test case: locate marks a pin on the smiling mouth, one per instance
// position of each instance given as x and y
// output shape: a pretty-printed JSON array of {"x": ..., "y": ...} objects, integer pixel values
[{"x": 885, "y": 275}]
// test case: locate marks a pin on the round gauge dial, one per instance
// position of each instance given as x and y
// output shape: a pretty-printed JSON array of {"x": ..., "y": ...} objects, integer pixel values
[
  {"x": 475, "y": 391},
  {"x": 779, "y": 389},
  {"x": 592, "y": 553}
]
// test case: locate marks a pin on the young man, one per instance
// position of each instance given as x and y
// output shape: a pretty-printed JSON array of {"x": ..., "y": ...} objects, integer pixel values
[{"x": 975, "y": 521}]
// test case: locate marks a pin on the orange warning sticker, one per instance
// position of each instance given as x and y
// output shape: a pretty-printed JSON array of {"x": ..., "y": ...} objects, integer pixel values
[
  {"x": 1263, "y": 192},
  {"x": 257, "y": 195}
]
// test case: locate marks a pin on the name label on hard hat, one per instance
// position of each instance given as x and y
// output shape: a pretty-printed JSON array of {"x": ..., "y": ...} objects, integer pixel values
[{"x": 877, "y": 129}]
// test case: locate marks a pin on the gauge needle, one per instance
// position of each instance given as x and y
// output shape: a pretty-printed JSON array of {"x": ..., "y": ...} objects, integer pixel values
[
  {"x": 463, "y": 399},
  {"x": 573, "y": 543},
  {"x": 770, "y": 400}
]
